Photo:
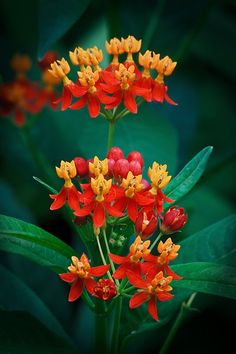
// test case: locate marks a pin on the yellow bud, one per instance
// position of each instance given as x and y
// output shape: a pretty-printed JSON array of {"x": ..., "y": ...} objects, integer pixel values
[
  {"x": 95, "y": 55},
  {"x": 114, "y": 47},
  {"x": 98, "y": 167},
  {"x": 88, "y": 77},
  {"x": 60, "y": 68},
  {"x": 80, "y": 57},
  {"x": 49, "y": 79},
  {"x": 125, "y": 75},
  {"x": 131, "y": 44},
  {"x": 132, "y": 184},
  {"x": 158, "y": 176},
  {"x": 67, "y": 170},
  {"x": 100, "y": 187},
  {"x": 165, "y": 66}
]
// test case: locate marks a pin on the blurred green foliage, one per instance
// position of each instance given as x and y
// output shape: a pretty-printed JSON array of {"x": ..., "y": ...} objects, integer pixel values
[{"x": 201, "y": 36}]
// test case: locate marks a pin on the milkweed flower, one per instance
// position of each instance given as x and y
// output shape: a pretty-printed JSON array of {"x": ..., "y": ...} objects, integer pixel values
[
  {"x": 168, "y": 251},
  {"x": 81, "y": 275},
  {"x": 150, "y": 290},
  {"x": 66, "y": 171},
  {"x": 132, "y": 262},
  {"x": 97, "y": 198},
  {"x": 145, "y": 224},
  {"x": 105, "y": 289}
]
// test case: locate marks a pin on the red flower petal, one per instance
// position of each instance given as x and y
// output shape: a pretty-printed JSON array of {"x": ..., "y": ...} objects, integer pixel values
[
  {"x": 59, "y": 199},
  {"x": 144, "y": 198},
  {"x": 77, "y": 90},
  {"x": 68, "y": 277},
  {"x": 130, "y": 102},
  {"x": 137, "y": 281},
  {"x": 170, "y": 101},
  {"x": 75, "y": 290},
  {"x": 111, "y": 210},
  {"x": 152, "y": 309},
  {"x": 99, "y": 270},
  {"x": 117, "y": 259},
  {"x": 66, "y": 98},
  {"x": 132, "y": 209},
  {"x": 164, "y": 296},
  {"x": 85, "y": 211},
  {"x": 99, "y": 215},
  {"x": 90, "y": 284},
  {"x": 104, "y": 99},
  {"x": 79, "y": 104},
  {"x": 120, "y": 272},
  {"x": 172, "y": 274},
  {"x": 138, "y": 299},
  {"x": 73, "y": 198},
  {"x": 93, "y": 106}
]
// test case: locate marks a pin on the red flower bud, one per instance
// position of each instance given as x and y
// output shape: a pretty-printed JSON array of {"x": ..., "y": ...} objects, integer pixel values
[
  {"x": 135, "y": 168},
  {"x": 145, "y": 184},
  {"x": 48, "y": 59},
  {"x": 145, "y": 224},
  {"x": 135, "y": 156},
  {"x": 115, "y": 153},
  {"x": 81, "y": 166},
  {"x": 105, "y": 289},
  {"x": 111, "y": 164},
  {"x": 174, "y": 220},
  {"x": 121, "y": 168}
]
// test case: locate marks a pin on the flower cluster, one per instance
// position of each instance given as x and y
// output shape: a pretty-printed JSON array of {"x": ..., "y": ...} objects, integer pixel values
[
  {"x": 111, "y": 190},
  {"x": 22, "y": 96},
  {"x": 120, "y": 82},
  {"x": 148, "y": 274},
  {"x": 116, "y": 187}
]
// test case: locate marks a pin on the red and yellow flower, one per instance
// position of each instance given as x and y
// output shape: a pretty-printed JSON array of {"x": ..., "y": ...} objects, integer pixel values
[
  {"x": 81, "y": 275},
  {"x": 150, "y": 290},
  {"x": 132, "y": 262},
  {"x": 66, "y": 171}
]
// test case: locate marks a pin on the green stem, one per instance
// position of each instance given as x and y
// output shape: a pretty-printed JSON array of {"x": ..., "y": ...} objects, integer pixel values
[
  {"x": 111, "y": 131},
  {"x": 155, "y": 242},
  {"x": 108, "y": 251},
  {"x": 179, "y": 319},
  {"x": 116, "y": 327},
  {"x": 101, "y": 330},
  {"x": 102, "y": 256}
]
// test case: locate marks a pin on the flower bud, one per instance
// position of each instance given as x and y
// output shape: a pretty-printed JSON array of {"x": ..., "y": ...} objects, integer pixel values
[
  {"x": 47, "y": 60},
  {"x": 105, "y": 289},
  {"x": 135, "y": 168},
  {"x": 115, "y": 153},
  {"x": 135, "y": 156},
  {"x": 146, "y": 224},
  {"x": 121, "y": 168},
  {"x": 81, "y": 166},
  {"x": 111, "y": 164},
  {"x": 145, "y": 184},
  {"x": 174, "y": 220}
]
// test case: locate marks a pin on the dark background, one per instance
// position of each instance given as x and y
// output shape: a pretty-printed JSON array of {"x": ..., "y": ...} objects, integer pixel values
[{"x": 201, "y": 37}]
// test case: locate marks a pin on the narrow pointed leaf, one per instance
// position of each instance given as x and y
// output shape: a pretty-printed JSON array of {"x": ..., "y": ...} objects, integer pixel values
[
  {"x": 19, "y": 237},
  {"x": 188, "y": 176}
]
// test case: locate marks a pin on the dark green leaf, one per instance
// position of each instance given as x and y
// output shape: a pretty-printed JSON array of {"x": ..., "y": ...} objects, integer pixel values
[
  {"x": 214, "y": 243},
  {"x": 188, "y": 176},
  {"x": 20, "y": 333},
  {"x": 210, "y": 278},
  {"x": 34, "y": 243},
  {"x": 52, "y": 190},
  {"x": 26, "y": 300},
  {"x": 56, "y": 18}
]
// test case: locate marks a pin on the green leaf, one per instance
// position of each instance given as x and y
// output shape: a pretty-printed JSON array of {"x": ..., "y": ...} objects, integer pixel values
[
  {"x": 21, "y": 333},
  {"x": 34, "y": 243},
  {"x": 56, "y": 18},
  {"x": 210, "y": 278},
  {"x": 51, "y": 189},
  {"x": 188, "y": 176},
  {"x": 214, "y": 243},
  {"x": 26, "y": 300}
]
